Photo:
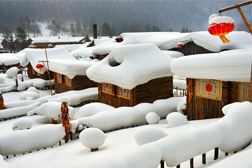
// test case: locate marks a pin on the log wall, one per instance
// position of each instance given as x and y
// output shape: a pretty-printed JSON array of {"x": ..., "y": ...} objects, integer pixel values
[{"x": 203, "y": 108}]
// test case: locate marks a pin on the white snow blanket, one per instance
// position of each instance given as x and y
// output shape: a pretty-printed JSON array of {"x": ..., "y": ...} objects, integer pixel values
[
  {"x": 4, "y": 164},
  {"x": 128, "y": 116},
  {"x": 22, "y": 141},
  {"x": 8, "y": 59},
  {"x": 169, "y": 40},
  {"x": 33, "y": 56},
  {"x": 173, "y": 54},
  {"x": 69, "y": 47},
  {"x": 70, "y": 68},
  {"x": 233, "y": 65},
  {"x": 138, "y": 64}
]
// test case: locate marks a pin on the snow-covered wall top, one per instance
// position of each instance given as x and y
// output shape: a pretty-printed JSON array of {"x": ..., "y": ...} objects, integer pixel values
[
  {"x": 69, "y": 47},
  {"x": 233, "y": 65},
  {"x": 70, "y": 68},
  {"x": 33, "y": 56},
  {"x": 8, "y": 59},
  {"x": 169, "y": 40},
  {"x": 55, "y": 39},
  {"x": 138, "y": 64}
]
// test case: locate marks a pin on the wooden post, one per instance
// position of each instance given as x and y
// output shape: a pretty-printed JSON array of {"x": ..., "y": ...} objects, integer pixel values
[
  {"x": 244, "y": 18},
  {"x": 216, "y": 153},
  {"x": 161, "y": 164},
  {"x": 204, "y": 158},
  {"x": 191, "y": 163},
  {"x": 3, "y": 68},
  {"x": 2, "y": 106},
  {"x": 65, "y": 119},
  {"x": 95, "y": 31}
]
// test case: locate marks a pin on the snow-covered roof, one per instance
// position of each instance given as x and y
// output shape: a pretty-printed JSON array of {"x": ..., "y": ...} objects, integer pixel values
[
  {"x": 173, "y": 54},
  {"x": 85, "y": 51},
  {"x": 8, "y": 59},
  {"x": 55, "y": 39},
  {"x": 33, "y": 56},
  {"x": 69, "y": 47},
  {"x": 169, "y": 40},
  {"x": 138, "y": 64},
  {"x": 70, "y": 68},
  {"x": 233, "y": 65}
]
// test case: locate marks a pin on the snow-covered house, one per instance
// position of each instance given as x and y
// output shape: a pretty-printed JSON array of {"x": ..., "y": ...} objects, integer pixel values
[
  {"x": 33, "y": 57},
  {"x": 7, "y": 61},
  {"x": 70, "y": 74},
  {"x": 193, "y": 43},
  {"x": 42, "y": 42},
  {"x": 214, "y": 80},
  {"x": 133, "y": 74}
]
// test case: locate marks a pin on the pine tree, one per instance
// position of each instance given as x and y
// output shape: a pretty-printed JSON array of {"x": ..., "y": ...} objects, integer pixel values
[
  {"x": 7, "y": 34},
  {"x": 92, "y": 22},
  {"x": 72, "y": 30},
  {"x": 78, "y": 28},
  {"x": 54, "y": 28},
  {"x": 105, "y": 29},
  {"x": 21, "y": 36}
]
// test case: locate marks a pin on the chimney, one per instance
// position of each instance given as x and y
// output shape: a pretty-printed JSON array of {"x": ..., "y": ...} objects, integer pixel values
[{"x": 95, "y": 31}]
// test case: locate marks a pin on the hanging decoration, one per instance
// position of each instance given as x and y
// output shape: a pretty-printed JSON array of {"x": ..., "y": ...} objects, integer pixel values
[
  {"x": 180, "y": 44},
  {"x": 40, "y": 66},
  {"x": 221, "y": 26},
  {"x": 119, "y": 39}
]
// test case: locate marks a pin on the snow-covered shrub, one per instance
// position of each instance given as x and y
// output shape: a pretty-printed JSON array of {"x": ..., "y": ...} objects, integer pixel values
[
  {"x": 93, "y": 108},
  {"x": 236, "y": 127},
  {"x": 152, "y": 118},
  {"x": 23, "y": 123},
  {"x": 51, "y": 110},
  {"x": 176, "y": 119},
  {"x": 148, "y": 134},
  {"x": 1, "y": 80},
  {"x": 92, "y": 138},
  {"x": 12, "y": 72},
  {"x": 29, "y": 95}
]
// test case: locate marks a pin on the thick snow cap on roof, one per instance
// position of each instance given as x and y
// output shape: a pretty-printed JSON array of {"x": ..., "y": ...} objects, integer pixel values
[
  {"x": 70, "y": 68},
  {"x": 55, "y": 39},
  {"x": 234, "y": 65},
  {"x": 239, "y": 40},
  {"x": 33, "y": 56},
  {"x": 163, "y": 40},
  {"x": 8, "y": 59},
  {"x": 138, "y": 64},
  {"x": 69, "y": 47}
]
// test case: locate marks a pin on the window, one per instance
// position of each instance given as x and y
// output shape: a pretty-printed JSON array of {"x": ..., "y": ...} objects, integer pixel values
[
  {"x": 124, "y": 93},
  {"x": 210, "y": 89},
  {"x": 108, "y": 88},
  {"x": 244, "y": 91},
  {"x": 68, "y": 81},
  {"x": 59, "y": 78}
]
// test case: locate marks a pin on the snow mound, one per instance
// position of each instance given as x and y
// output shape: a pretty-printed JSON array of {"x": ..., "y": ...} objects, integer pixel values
[
  {"x": 146, "y": 135},
  {"x": 92, "y": 137},
  {"x": 51, "y": 110},
  {"x": 227, "y": 107},
  {"x": 29, "y": 95},
  {"x": 12, "y": 72},
  {"x": 1, "y": 80},
  {"x": 18, "y": 142},
  {"x": 65, "y": 99},
  {"x": 176, "y": 119},
  {"x": 33, "y": 89},
  {"x": 23, "y": 123},
  {"x": 237, "y": 127},
  {"x": 4, "y": 164},
  {"x": 152, "y": 118},
  {"x": 93, "y": 108}
]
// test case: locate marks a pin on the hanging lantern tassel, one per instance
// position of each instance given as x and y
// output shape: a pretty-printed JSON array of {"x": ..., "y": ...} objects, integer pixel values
[{"x": 221, "y": 26}]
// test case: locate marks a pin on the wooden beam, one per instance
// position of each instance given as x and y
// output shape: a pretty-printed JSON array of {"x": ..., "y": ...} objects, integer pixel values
[
  {"x": 235, "y": 6},
  {"x": 244, "y": 19},
  {"x": 251, "y": 84}
]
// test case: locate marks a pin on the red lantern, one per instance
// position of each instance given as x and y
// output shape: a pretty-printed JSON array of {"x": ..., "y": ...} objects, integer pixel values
[
  {"x": 39, "y": 66},
  {"x": 180, "y": 45},
  {"x": 220, "y": 26}
]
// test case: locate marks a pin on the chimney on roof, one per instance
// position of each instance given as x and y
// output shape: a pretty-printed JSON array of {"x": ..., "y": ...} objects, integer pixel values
[{"x": 95, "y": 31}]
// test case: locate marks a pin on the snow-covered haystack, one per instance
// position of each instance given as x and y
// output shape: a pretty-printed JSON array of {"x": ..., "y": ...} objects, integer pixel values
[
  {"x": 4, "y": 164},
  {"x": 129, "y": 116},
  {"x": 176, "y": 119},
  {"x": 92, "y": 138},
  {"x": 1, "y": 80},
  {"x": 146, "y": 135},
  {"x": 152, "y": 118},
  {"x": 12, "y": 72},
  {"x": 231, "y": 133},
  {"x": 29, "y": 95},
  {"x": 22, "y": 124},
  {"x": 18, "y": 142},
  {"x": 93, "y": 108},
  {"x": 51, "y": 110}
]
